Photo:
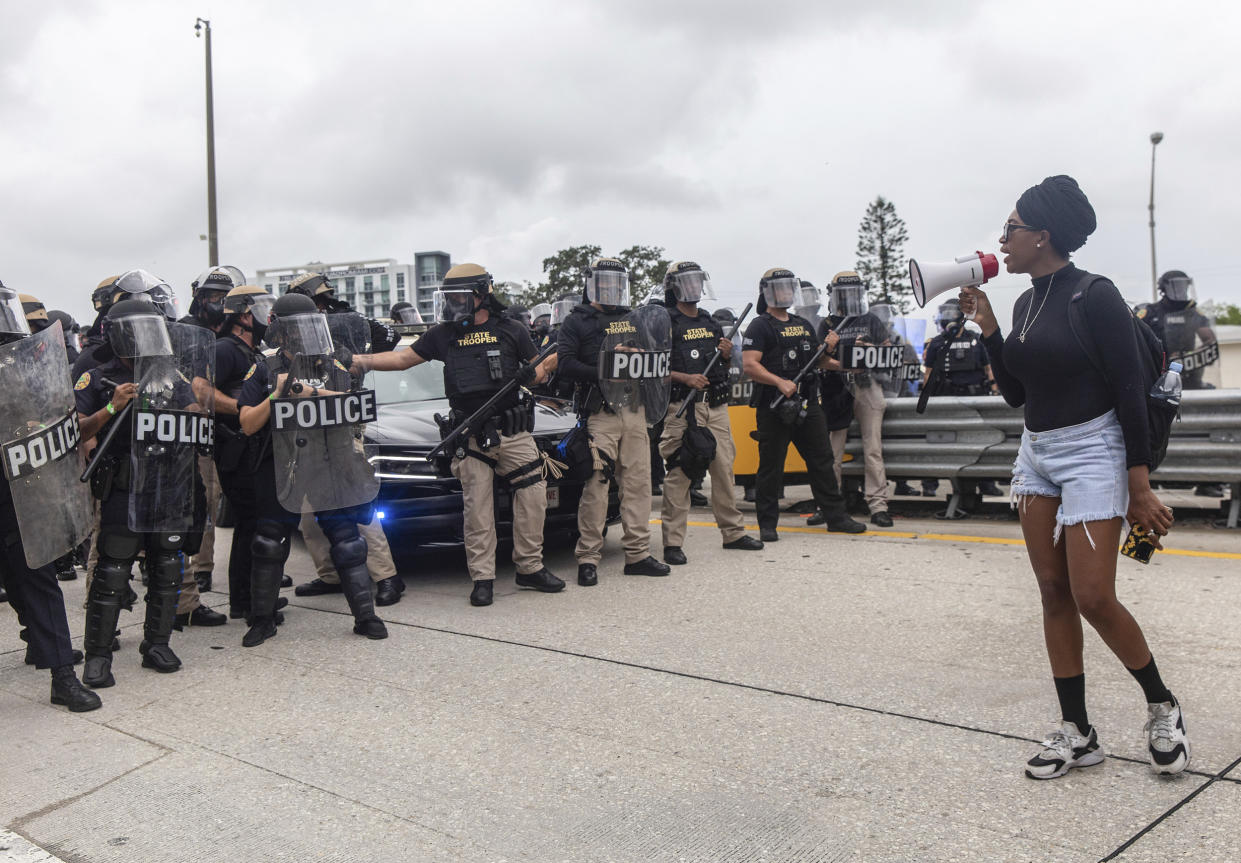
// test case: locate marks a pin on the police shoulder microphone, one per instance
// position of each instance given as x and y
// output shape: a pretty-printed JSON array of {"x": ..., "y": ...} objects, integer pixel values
[{"x": 931, "y": 280}]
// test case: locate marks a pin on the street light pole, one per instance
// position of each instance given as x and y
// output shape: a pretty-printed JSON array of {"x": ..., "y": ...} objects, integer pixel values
[
  {"x": 213, "y": 244},
  {"x": 1156, "y": 137}
]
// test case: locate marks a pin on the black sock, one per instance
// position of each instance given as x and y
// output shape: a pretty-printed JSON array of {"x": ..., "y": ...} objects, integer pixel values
[
  {"x": 1072, "y": 694},
  {"x": 1152, "y": 684}
]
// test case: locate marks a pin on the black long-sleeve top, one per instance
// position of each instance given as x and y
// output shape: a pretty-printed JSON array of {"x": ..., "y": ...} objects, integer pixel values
[
  {"x": 580, "y": 339},
  {"x": 1051, "y": 374}
]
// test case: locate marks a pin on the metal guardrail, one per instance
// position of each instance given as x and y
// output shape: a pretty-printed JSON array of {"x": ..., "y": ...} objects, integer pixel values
[{"x": 976, "y": 437}]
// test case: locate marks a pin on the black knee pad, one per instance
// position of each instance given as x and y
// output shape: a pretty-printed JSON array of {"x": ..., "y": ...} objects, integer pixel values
[
  {"x": 112, "y": 575},
  {"x": 269, "y": 545},
  {"x": 349, "y": 552},
  {"x": 164, "y": 568},
  {"x": 165, "y": 543},
  {"x": 119, "y": 543}
]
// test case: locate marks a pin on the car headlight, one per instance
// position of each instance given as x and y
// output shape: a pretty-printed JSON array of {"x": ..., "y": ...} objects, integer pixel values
[{"x": 403, "y": 467}]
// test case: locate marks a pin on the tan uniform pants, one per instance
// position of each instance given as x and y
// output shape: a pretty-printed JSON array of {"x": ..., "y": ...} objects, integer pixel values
[
  {"x": 378, "y": 555},
  {"x": 868, "y": 407},
  {"x": 623, "y": 438},
  {"x": 529, "y": 506},
  {"x": 675, "y": 508},
  {"x": 188, "y": 600}
]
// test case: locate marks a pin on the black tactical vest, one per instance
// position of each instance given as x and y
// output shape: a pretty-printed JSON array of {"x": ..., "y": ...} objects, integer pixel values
[
  {"x": 961, "y": 355},
  {"x": 479, "y": 361},
  {"x": 795, "y": 344}
]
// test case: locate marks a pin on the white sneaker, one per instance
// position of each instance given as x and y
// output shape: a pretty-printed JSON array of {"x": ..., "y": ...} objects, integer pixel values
[
  {"x": 1165, "y": 734},
  {"x": 1065, "y": 749}
]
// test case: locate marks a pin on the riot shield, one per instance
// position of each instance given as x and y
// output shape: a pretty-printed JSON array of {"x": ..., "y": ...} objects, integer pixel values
[
  {"x": 319, "y": 416},
  {"x": 42, "y": 459},
  {"x": 1189, "y": 338},
  {"x": 173, "y": 424},
  {"x": 634, "y": 362}
]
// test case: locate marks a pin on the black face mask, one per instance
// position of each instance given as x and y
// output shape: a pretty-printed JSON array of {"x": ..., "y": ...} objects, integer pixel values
[{"x": 211, "y": 314}]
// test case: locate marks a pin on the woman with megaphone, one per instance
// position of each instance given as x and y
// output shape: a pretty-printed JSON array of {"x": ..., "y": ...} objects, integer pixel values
[{"x": 1083, "y": 466}]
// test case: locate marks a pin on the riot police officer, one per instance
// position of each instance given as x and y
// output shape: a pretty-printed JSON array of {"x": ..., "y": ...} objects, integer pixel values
[
  {"x": 144, "y": 481},
  {"x": 308, "y": 463},
  {"x": 404, "y": 313},
  {"x": 31, "y": 400},
  {"x": 382, "y": 337},
  {"x": 619, "y": 442},
  {"x": 696, "y": 336},
  {"x": 1182, "y": 328},
  {"x": 247, "y": 309},
  {"x": 777, "y": 346},
  {"x": 851, "y": 318},
  {"x": 482, "y": 349},
  {"x": 956, "y": 364},
  {"x": 541, "y": 317}
]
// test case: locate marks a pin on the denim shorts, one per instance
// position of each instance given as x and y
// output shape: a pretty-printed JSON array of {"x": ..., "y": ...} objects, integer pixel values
[{"x": 1083, "y": 465}]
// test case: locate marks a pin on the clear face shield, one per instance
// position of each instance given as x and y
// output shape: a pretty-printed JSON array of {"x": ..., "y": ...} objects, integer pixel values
[
  {"x": 808, "y": 297},
  {"x": 261, "y": 308},
  {"x": 781, "y": 293},
  {"x": 608, "y": 287},
  {"x": 849, "y": 300},
  {"x": 12, "y": 316},
  {"x": 453, "y": 306},
  {"x": 300, "y": 335},
  {"x": 948, "y": 315},
  {"x": 561, "y": 310},
  {"x": 1178, "y": 289},
  {"x": 408, "y": 316},
  {"x": 542, "y": 314},
  {"x": 141, "y": 285},
  {"x": 136, "y": 336},
  {"x": 525, "y": 319},
  {"x": 692, "y": 287},
  {"x": 884, "y": 313}
]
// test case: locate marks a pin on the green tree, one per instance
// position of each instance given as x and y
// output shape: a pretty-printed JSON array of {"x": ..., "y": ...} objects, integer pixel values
[
  {"x": 881, "y": 255},
  {"x": 647, "y": 266},
  {"x": 1222, "y": 313}
]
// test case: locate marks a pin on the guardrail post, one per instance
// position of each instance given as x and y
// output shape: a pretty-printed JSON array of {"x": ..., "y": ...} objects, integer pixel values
[{"x": 1234, "y": 509}]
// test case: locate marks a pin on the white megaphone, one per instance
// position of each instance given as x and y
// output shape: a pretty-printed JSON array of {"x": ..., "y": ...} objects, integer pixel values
[{"x": 931, "y": 280}]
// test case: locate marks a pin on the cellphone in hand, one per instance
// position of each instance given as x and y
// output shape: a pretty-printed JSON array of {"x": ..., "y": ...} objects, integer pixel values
[{"x": 1138, "y": 545}]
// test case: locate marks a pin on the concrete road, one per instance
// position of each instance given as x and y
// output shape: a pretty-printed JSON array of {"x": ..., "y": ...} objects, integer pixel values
[{"x": 829, "y": 698}]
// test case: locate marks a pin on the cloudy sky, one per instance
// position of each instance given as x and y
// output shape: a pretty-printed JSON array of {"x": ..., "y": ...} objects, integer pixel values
[{"x": 738, "y": 133}]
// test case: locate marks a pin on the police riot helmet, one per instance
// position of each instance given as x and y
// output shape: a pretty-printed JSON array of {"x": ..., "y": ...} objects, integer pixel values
[
  {"x": 141, "y": 285},
  {"x": 884, "y": 312},
  {"x": 541, "y": 314},
  {"x": 808, "y": 298},
  {"x": 561, "y": 309},
  {"x": 252, "y": 299},
  {"x": 208, "y": 292},
  {"x": 1177, "y": 286},
  {"x": 454, "y": 302},
  {"x": 778, "y": 289},
  {"x": 520, "y": 313},
  {"x": 13, "y": 324},
  {"x": 607, "y": 283},
  {"x": 68, "y": 327},
  {"x": 655, "y": 297},
  {"x": 319, "y": 289},
  {"x": 136, "y": 328},
  {"x": 848, "y": 294},
  {"x": 35, "y": 312},
  {"x": 296, "y": 325},
  {"x": 948, "y": 314},
  {"x": 104, "y": 294},
  {"x": 689, "y": 283},
  {"x": 404, "y": 313},
  {"x": 724, "y": 315}
]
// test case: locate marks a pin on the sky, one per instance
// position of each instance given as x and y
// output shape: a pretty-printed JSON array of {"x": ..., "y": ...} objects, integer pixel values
[{"x": 737, "y": 134}]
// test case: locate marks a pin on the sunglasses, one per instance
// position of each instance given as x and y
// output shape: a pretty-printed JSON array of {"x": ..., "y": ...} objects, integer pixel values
[{"x": 1009, "y": 227}]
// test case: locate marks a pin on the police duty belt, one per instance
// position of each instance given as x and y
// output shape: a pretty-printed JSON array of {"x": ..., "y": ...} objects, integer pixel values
[
  {"x": 314, "y": 412},
  {"x": 44, "y": 445},
  {"x": 1200, "y": 358}
]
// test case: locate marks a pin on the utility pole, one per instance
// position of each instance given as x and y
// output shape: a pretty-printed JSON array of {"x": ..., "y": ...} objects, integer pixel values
[
  {"x": 213, "y": 240},
  {"x": 1156, "y": 137}
]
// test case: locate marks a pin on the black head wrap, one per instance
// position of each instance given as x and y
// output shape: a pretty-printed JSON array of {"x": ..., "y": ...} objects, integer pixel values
[{"x": 1059, "y": 206}]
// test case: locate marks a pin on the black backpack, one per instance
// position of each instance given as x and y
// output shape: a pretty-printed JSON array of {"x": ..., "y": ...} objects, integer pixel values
[{"x": 1154, "y": 362}]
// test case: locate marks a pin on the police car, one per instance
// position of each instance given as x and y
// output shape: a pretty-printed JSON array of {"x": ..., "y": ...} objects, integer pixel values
[{"x": 417, "y": 506}]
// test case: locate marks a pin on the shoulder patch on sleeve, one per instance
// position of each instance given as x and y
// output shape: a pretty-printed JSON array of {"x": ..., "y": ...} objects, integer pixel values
[
  {"x": 250, "y": 371},
  {"x": 83, "y": 382},
  {"x": 339, "y": 365},
  {"x": 1141, "y": 313}
]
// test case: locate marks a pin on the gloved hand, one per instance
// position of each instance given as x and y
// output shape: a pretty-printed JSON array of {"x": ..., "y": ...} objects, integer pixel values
[{"x": 526, "y": 375}]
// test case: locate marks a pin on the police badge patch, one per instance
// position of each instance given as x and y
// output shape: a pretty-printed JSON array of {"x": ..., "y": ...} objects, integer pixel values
[{"x": 83, "y": 382}]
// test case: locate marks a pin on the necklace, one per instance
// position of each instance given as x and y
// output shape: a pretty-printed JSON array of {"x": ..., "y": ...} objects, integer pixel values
[{"x": 1025, "y": 328}]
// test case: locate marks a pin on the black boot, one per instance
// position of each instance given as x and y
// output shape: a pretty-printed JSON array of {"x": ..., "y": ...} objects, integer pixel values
[
  {"x": 388, "y": 590},
  {"x": 355, "y": 583},
  {"x": 260, "y": 630},
  {"x": 587, "y": 574},
  {"x": 164, "y": 579},
  {"x": 481, "y": 594},
  {"x": 675, "y": 555},
  {"x": 68, "y": 690},
  {"x": 541, "y": 580}
]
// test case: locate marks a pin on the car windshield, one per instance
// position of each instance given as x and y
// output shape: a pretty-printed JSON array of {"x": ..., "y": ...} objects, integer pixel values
[{"x": 424, "y": 381}]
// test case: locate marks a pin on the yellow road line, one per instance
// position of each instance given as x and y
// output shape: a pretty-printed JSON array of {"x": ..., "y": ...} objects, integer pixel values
[{"x": 960, "y": 537}]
